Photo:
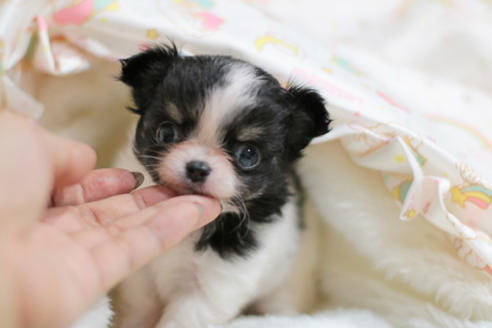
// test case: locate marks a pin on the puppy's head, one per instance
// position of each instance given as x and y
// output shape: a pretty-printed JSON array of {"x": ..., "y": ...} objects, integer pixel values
[{"x": 216, "y": 125}]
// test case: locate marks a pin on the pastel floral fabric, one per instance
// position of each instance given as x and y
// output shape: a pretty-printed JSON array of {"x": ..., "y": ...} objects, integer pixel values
[{"x": 426, "y": 155}]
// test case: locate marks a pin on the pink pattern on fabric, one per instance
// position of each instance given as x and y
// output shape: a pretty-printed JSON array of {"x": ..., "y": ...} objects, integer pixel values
[
  {"x": 41, "y": 23},
  {"x": 77, "y": 14},
  {"x": 391, "y": 101},
  {"x": 210, "y": 21},
  {"x": 329, "y": 87},
  {"x": 480, "y": 203}
]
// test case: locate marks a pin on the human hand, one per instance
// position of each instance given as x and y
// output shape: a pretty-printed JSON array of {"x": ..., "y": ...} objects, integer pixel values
[{"x": 67, "y": 235}]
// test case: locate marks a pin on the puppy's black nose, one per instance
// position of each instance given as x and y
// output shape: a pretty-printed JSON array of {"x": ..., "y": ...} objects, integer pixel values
[{"x": 197, "y": 171}]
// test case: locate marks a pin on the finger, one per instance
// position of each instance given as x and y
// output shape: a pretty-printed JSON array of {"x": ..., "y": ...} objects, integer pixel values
[
  {"x": 71, "y": 161},
  {"x": 96, "y": 233},
  {"x": 25, "y": 170},
  {"x": 98, "y": 184},
  {"x": 75, "y": 218},
  {"x": 154, "y": 230},
  {"x": 33, "y": 161}
]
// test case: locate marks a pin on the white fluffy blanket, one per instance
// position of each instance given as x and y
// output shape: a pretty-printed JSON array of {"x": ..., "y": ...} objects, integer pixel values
[{"x": 408, "y": 222}]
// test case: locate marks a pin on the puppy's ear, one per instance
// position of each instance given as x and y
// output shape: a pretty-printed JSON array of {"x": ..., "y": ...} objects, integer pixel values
[
  {"x": 145, "y": 70},
  {"x": 308, "y": 119},
  {"x": 147, "y": 66}
]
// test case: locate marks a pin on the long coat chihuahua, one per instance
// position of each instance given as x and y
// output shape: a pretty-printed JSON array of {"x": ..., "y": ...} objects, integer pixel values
[{"x": 219, "y": 126}]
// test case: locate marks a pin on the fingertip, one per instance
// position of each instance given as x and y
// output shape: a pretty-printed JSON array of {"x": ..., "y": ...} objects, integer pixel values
[
  {"x": 71, "y": 160},
  {"x": 81, "y": 160},
  {"x": 208, "y": 208},
  {"x": 211, "y": 210},
  {"x": 87, "y": 154},
  {"x": 176, "y": 218}
]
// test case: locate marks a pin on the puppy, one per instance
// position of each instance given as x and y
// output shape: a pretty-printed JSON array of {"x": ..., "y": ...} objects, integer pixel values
[{"x": 219, "y": 126}]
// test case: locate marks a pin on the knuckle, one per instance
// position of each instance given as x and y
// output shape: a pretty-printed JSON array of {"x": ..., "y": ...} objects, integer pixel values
[
  {"x": 88, "y": 216},
  {"x": 139, "y": 201},
  {"x": 114, "y": 230}
]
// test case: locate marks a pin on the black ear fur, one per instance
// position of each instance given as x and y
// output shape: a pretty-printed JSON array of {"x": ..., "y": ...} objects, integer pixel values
[
  {"x": 308, "y": 119},
  {"x": 147, "y": 66},
  {"x": 145, "y": 70}
]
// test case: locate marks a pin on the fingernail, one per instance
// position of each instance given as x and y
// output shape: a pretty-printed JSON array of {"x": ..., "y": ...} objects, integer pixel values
[
  {"x": 200, "y": 209},
  {"x": 208, "y": 211},
  {"x": 139, "y": 179}
]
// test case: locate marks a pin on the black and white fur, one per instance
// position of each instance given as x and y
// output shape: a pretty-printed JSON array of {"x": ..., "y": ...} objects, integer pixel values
[{"x": 220, "y": 126}]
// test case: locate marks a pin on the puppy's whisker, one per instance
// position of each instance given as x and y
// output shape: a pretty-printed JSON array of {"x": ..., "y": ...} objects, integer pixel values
[
  {"x": 150, "y": 157},
  {"x": 243, "y": 213}
]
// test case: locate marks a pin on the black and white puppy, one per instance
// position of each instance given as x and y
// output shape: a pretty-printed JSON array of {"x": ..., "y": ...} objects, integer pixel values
[{"x": 222, "y": 127}]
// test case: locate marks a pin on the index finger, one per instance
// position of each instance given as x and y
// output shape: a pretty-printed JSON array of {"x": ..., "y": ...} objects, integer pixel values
[
  {"x": 70, "y": 160},
  {"x": 148, "y": 233},
  {"x": 34, "y": 162},
  {"x": 98, "y": 184},
  {"x": 102, "y": 212}
]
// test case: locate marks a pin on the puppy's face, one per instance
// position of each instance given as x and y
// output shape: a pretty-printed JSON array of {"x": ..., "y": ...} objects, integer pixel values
[{"x": 218, "y": 126}]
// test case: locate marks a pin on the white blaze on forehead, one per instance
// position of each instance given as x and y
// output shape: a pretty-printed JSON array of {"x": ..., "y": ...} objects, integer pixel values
[{"x": 225, "y": 102}]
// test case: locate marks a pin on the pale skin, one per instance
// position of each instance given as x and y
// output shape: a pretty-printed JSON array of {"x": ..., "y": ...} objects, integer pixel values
[{"x": 69, "y": 233}]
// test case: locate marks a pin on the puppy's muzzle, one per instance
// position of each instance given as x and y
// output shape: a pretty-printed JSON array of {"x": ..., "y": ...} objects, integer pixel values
[{"x": 197, "y": 171}]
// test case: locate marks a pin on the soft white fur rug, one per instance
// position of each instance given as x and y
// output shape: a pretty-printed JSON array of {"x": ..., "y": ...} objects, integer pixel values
[{"x": 406, "y": 272}]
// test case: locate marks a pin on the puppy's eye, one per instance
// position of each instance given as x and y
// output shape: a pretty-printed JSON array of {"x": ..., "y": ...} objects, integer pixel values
[
  {"x": 247, "y": 156},
  {"x": 166, "y": 132}
]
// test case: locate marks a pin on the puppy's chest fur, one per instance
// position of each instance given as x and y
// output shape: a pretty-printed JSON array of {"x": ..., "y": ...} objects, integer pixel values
[{"x": 215, "y": 269}]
